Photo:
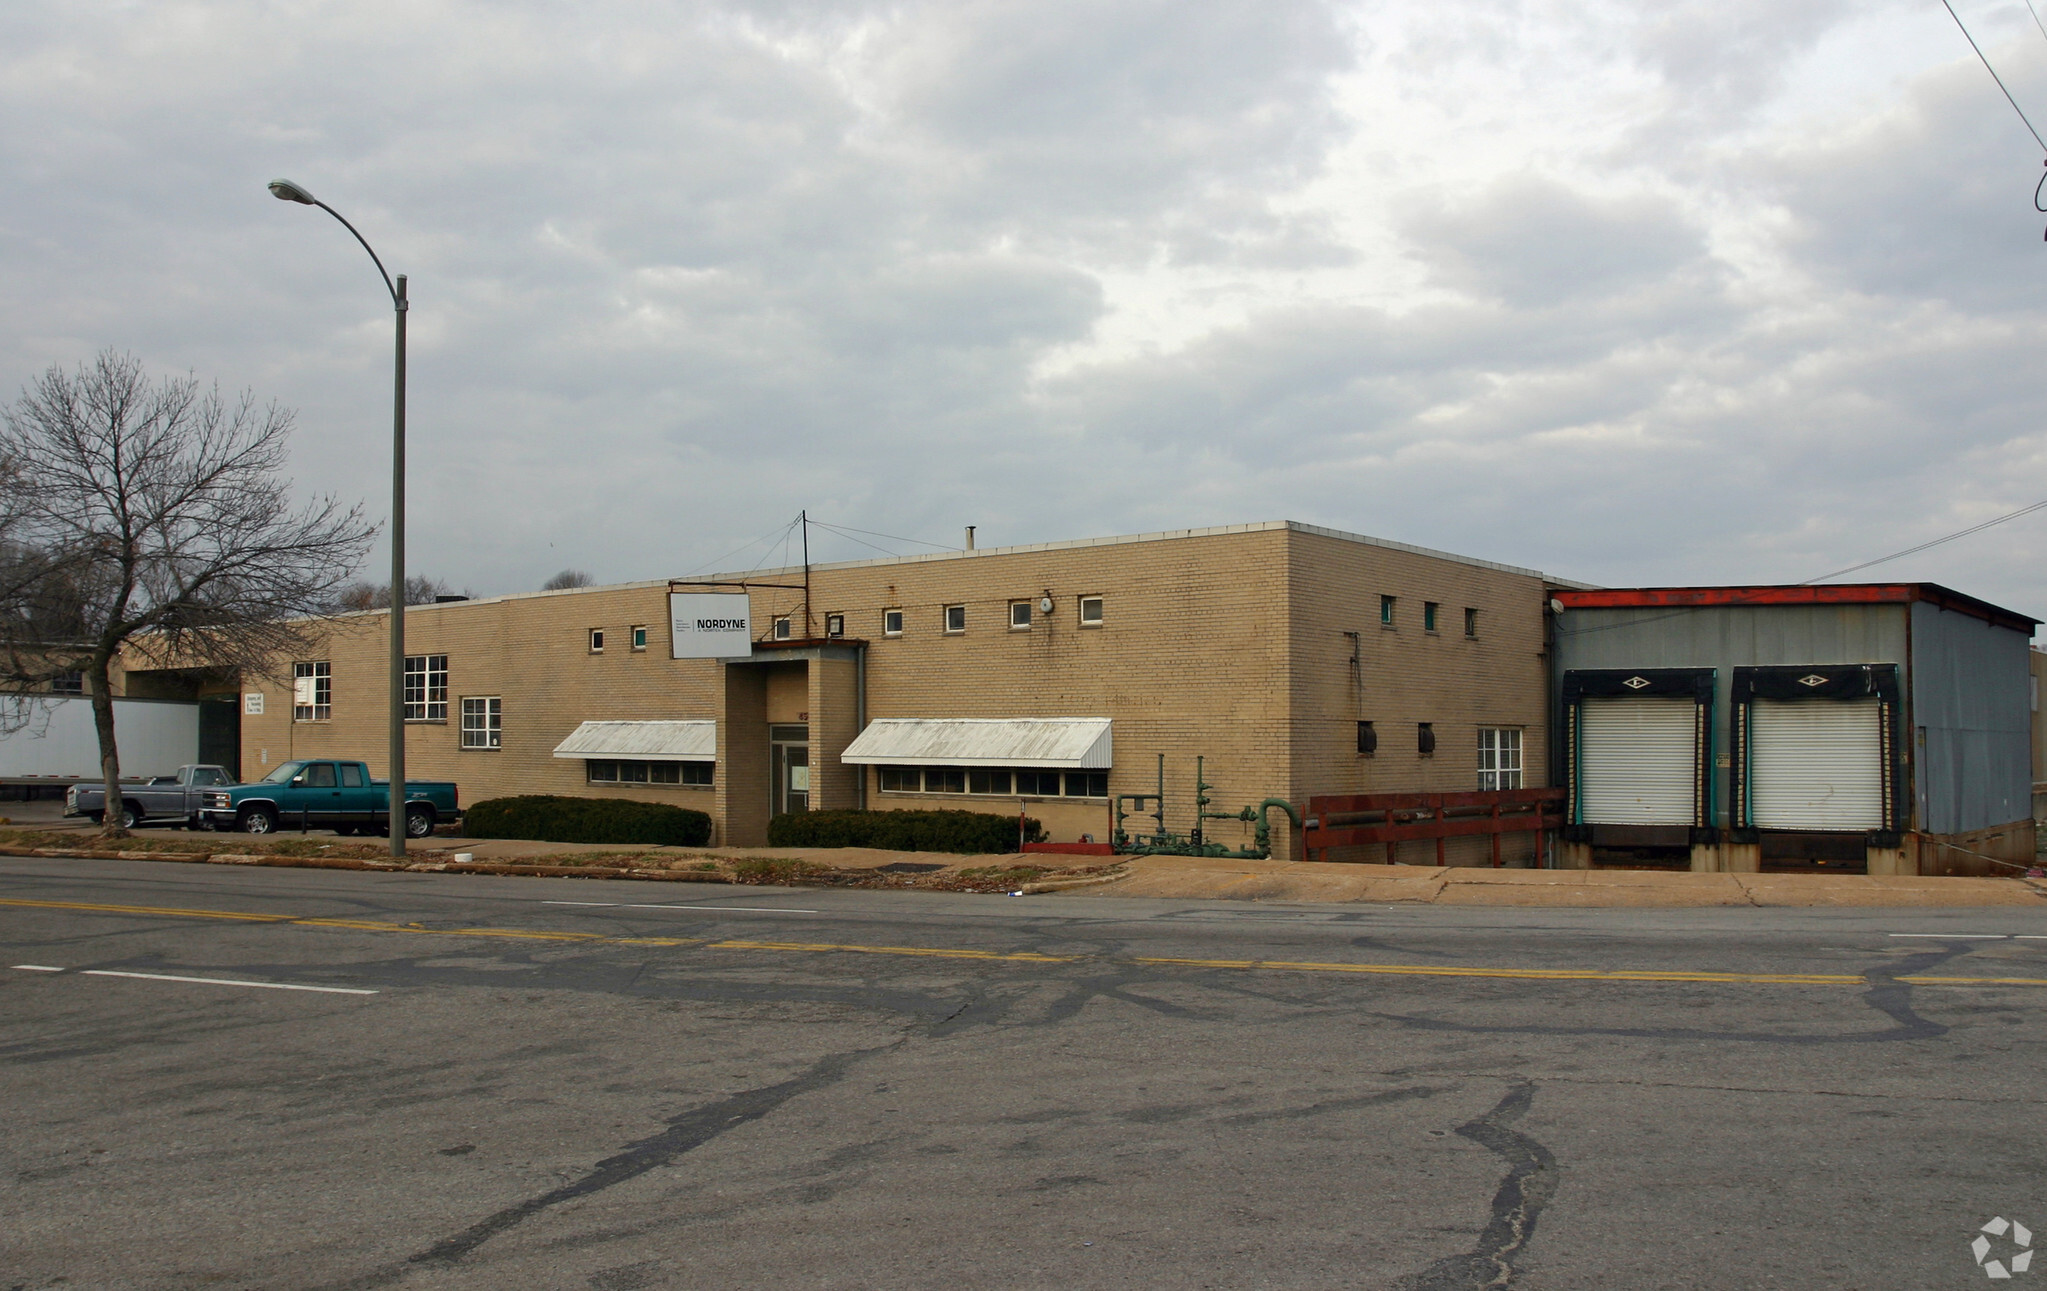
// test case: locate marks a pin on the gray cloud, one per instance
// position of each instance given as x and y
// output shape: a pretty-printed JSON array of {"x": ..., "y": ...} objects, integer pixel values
[{"x": 683, "y": 268}]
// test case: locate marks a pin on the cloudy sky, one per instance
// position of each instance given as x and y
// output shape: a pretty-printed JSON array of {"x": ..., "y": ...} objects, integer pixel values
[{"x": 1641, "y": 293}]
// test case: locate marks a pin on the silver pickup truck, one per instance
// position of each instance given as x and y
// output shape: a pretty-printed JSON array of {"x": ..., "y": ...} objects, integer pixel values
[{"x": 166, "y": 799}]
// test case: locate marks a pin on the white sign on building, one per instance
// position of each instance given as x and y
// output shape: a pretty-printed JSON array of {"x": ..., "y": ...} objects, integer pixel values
[
  {"x": 252, "y": 703},
  {"x": 710, "y": 625}
]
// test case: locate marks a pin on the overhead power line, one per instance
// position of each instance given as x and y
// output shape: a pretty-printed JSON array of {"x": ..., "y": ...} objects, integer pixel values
[
  {"x": 1913, "y": 551},
  {"x": 1993, "y": 71}
]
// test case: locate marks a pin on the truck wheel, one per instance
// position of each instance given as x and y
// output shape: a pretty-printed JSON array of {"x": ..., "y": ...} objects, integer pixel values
[
  {"x": 131, "y": 815},
  {"x": 258, "y": 820},
  {"x": 419, "y": 822}
]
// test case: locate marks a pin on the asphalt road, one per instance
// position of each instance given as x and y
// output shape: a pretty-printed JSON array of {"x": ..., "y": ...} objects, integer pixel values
[{"x": 702, "y": 1086}]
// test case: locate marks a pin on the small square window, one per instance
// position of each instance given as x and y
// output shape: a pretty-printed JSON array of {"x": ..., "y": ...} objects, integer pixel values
[
  {"x": 1429, "y": 609},
  {"x": 1386, "y": 604},
  {"x": 891, "y": 623},
  {"x": 835, "y": 625},
  {"x": 1019, "y": 615},
  {"x": 955, "y": 618},
  {"x": 596, "y": 640},
  {"x": 1470, "y": 622},
  {"x": 1091, "y": 611},
  {"x": 639, "y": 636},
  {"x": 783, "y": 628}
]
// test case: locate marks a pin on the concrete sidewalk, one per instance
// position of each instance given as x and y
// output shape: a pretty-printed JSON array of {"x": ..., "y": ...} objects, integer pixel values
[{"x": 1191, "y": 876}]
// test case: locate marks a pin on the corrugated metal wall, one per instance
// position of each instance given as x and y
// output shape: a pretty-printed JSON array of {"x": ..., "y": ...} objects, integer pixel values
[
  {"x": 1733, "y": 636},
  {"x": 1973, "y": 743}
]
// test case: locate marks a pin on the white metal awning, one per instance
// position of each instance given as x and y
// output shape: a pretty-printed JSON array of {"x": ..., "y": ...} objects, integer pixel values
[
  {"x": 643, "y": 741},
  {"x": 1079, "y": 743}
]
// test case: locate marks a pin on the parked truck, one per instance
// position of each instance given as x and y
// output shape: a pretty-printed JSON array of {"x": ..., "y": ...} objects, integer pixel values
[
  {"x": 165, "y": 799},
  {"x": 323, "y": 793}
]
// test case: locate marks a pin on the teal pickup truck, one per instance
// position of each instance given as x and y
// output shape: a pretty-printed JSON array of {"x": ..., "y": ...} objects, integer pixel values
[{"x": 326, "y": 794}]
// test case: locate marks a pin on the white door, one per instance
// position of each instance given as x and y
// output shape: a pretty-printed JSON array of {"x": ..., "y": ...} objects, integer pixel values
[
  {"x": 1638, "y": 761},
  {"x": 1816, "y": 764}
]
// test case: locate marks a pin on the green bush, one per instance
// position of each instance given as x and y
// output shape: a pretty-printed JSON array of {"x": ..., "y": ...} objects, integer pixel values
[
  {"x": 553, "y": 819},
  {"x": 966, "y": 832}
]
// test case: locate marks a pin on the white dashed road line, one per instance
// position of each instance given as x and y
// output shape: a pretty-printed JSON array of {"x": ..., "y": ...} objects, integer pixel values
[
  {"x": 1958, "y": 936},
  {"x": 164, "y": 976}
]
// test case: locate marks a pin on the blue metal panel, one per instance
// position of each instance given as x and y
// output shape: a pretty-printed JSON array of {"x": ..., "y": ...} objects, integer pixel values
[{"x": 1970, "y": 705}]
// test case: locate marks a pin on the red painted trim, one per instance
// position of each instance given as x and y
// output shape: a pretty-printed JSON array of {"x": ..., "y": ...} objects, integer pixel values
[{"x": 1615, "y": 598}]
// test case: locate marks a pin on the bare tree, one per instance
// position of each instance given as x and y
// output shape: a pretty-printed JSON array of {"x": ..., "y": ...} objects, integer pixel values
[
  {"x": 419, "y": 590},
  {"x": 567, "y": 579},
  {"x": 154, "y": 518}
]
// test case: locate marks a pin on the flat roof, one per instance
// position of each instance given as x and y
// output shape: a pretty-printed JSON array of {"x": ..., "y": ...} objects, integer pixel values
[
  {"x": 1629, "y": 598},
  {"x": 1071, "y": 544}
]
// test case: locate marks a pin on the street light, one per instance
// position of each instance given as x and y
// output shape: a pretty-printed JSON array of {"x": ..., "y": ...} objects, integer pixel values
[{"x": 286, "y": 191}]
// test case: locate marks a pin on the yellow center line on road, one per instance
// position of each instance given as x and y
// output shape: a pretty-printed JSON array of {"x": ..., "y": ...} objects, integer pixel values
[
  {"x": 1023, "y": 957},
  {"x": 1534, "y": 974},
  {"x": 1033, "y": 957}
]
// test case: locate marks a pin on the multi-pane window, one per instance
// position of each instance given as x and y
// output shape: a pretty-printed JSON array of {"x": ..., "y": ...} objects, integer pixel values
[
  {"x": 995, "y": 782},
  {"x": 426, "y": 688},
  {"x": 610, "y": 771},
  {"x": 483, "y": 722},
  {"x": 1499, "y": 757},
  {"x": 68, "y": 683},
  {"x": 1386, "y": 604},
  {"x": 312, "y": 691},
  {"x": 1019, "y": 614},
  {"x": 891, "y": 623},
  {"x": 1091, "y": 611},
  {"x": 1429, "y": 612},
  {"x": 955, "y": 618}
]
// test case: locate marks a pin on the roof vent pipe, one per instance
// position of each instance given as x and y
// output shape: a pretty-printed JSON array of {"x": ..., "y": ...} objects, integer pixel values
[{"x": 970, "y": 537}]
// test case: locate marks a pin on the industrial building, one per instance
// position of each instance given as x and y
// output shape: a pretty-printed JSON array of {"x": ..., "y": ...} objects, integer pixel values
[
  {"x": 1043, "y": 679},
  {"x": 1881, "y": 727}
]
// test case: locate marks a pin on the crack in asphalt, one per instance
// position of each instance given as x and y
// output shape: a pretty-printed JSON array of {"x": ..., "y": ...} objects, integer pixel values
[
  {"x": 685, "y": 1133},
  {"x": 1530, "y": 1184},
  {"x": 1886, "y": 994}
]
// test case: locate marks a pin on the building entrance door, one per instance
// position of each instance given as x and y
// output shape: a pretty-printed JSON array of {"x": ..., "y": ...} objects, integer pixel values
[{"x": 789, "y": 769}]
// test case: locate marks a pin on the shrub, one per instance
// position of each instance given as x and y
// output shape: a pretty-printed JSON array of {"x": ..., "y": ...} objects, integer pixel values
[
  {"x": 553, "y": 819},
  {"x": 967, "y": 832}
]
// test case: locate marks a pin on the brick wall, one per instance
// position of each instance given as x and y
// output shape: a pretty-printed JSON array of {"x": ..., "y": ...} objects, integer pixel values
[{"x": 1222, "y": 644}]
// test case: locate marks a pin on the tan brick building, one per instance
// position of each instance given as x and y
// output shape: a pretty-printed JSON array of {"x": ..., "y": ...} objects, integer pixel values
[{"x": 1265, "y": 648}]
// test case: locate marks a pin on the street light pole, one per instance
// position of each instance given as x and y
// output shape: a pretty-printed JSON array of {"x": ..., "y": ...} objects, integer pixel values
[{"x": 285, "y": 190}]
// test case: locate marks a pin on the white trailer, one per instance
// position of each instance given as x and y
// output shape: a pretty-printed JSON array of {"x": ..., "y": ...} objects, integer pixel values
[{"x": 48, "y": 739}]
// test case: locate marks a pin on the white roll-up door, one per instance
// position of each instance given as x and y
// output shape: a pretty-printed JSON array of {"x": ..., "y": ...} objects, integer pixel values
[
  {"x": 1637, "y": 761},
  {"x": 1816, "y": 764}
]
